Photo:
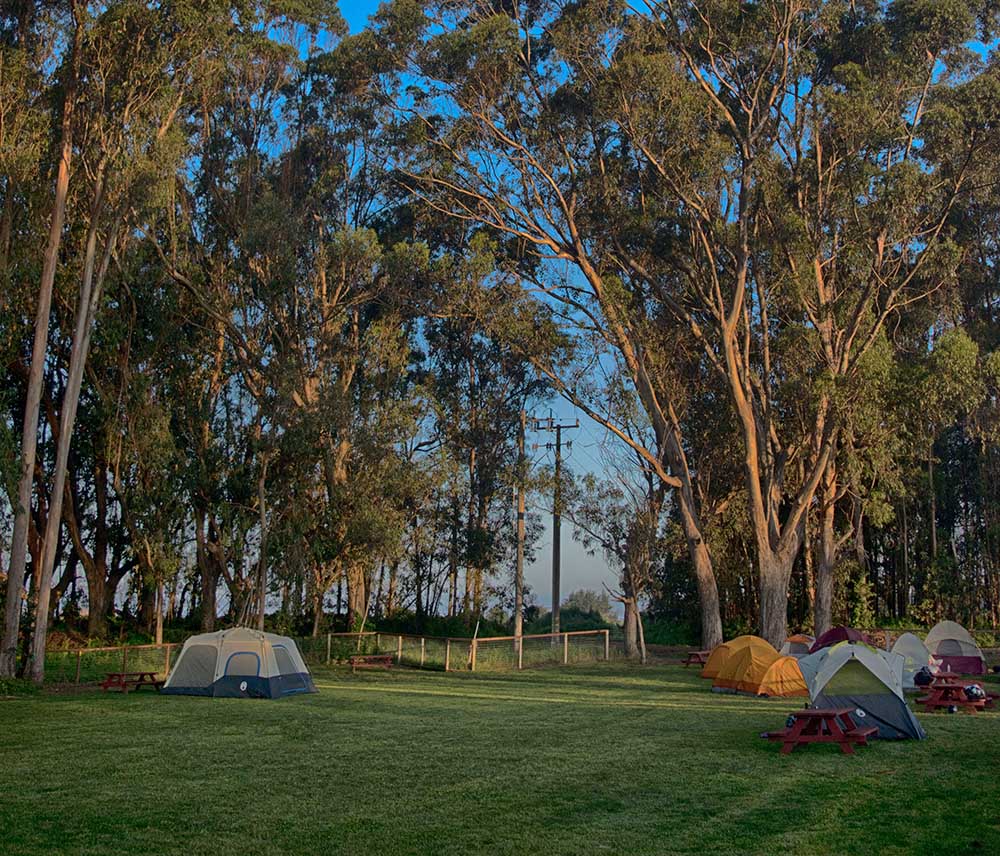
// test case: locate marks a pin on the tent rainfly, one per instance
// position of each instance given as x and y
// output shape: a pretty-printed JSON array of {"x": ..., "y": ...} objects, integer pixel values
[
  {"x": 239, "y": 663},
  {"x": 915, "y": 656},
  {"x": 759, "y": 670},
  {"x": 721, "y": 653},
  {"x": 870, "y": 681},
  {"x": 954, "y": 646},
  {"x": 797, "y": 645},
  {"x": 838, "y": 634}
]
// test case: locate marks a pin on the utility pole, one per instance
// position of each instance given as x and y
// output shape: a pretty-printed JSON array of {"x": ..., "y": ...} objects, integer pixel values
[
  {"x": 551, "y": 424},
  {"x": 519, "y": 569}
]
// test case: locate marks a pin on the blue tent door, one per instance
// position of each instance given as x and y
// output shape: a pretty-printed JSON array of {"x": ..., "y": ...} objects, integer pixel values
[{"x": 242, "y": 677}]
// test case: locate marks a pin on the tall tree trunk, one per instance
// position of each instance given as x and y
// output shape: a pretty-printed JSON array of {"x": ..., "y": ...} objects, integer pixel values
[
  {"x": 822, "y": 615},
  {"x": 159, "y": 612},
  {"x": 262, "y": 563},
  {"x": 631, "y": 629},
  {"x": 98, "y": 604},
  {"x": 390, "y": 600},
  {"x": 775, "y": 574},
  {"x": 317, "y": 611},
  {"x": 357, "y": 595},
  {"x": 933, "y": 502},
  {"x": 90, "y": 298},
  {"x": 29, "y": 432}
]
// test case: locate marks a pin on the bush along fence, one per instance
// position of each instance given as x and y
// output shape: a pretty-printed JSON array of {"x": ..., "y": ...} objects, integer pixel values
[{"x": 449, "y": 654}]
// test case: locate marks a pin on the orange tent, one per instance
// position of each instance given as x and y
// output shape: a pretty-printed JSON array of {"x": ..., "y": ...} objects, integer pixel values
[
  {"x": 744, "y": 668},
  {"x": 783, "y": 678},
  {"x": 726, "y": 650},
  {"x": 759, "y": 670}
]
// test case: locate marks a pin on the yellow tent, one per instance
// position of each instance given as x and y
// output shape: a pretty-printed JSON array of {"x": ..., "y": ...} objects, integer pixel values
[
  {"x": 758, "y": 669},
  {"x": 723, "y": 652},
  {"x": 744, "y": 668}
]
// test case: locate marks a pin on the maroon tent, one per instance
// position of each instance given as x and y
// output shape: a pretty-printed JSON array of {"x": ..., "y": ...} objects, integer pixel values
[{"x": 838, "y": 634}]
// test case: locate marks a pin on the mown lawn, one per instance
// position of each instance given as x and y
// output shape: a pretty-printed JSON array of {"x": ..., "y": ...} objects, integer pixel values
[{"x": 598, "y": 759}]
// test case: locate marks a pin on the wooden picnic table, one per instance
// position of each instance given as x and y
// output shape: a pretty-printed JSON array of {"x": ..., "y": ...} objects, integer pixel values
[
  {"x": 823, "y": 725},
  {"x": 699, "y": 658},
  {"x": 130, "y": 680},
  {"x": 945, "y": 692},
  {"x": 371, "y": 661}
]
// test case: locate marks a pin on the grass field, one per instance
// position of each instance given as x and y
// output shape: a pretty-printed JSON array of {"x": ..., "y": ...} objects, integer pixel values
[{"x": 586, "y": 760}]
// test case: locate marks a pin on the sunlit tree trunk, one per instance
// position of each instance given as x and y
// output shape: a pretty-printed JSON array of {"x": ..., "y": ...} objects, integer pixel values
[{"x": 29, "y": 432}]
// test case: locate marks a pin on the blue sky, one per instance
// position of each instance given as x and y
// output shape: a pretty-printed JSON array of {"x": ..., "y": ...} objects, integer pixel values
[
  {"x": 578, "y": 569},
  {"x": 356, "y": 12}
]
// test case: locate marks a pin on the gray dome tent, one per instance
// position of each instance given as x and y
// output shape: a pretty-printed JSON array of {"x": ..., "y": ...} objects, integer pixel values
[
  {"x": 239, "y": 663},
  {"x": 857, "y": 676}
]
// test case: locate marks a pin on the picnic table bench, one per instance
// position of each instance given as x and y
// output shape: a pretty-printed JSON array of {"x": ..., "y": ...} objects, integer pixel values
[
  {"x": 946, "y": 691},
  {"x": 699, "y": 658},
  {"x": 823, "y": 725},
  {"x": 371, "y": 661},
  {"x": 125, "y": 681}
]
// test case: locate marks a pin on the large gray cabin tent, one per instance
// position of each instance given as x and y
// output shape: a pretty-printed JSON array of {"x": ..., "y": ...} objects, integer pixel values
[
  {"x": 857, "y": 676},
  {"x": 239, "y": 663}
]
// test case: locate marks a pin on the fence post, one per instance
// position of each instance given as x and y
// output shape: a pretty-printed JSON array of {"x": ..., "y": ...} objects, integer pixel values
[
  {"x": 447, "y": 654},
  {"x": 607, "y": 645},
  {"x": 565, "y": 648},
  {"x": 166, "y": 661},
  {"x": 472, "y": 658},
  {"x": 520, "y": 652},
  {"x": 79, "y": 657},
  {"x": 124, "y": 658},
  {"x": 378, "y": 642},
  {"x": 329, "y": 639},
  {"x": 422, "y": 641},
  {"x": 399, "y": 649}
]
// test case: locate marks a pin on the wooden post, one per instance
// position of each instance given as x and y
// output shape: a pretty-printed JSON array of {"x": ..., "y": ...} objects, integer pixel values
[
  {"x": 166, "y": 661},
  {"x": 447, "y": 654},
  {"x": 520, "y": 653},
  {"x": 399, "y": 649},
  {"x": 607, "y": 645},
  {"x": 79, "y": 657},
  {"x": 378, "y": 642},
  {"x": 565, "y": 648},
  {"x": 422, "y": 640},
  {"x": 124, "y": 658},
  {"x": 329, "y": 639},
  {"x": 472, "y": 658}
]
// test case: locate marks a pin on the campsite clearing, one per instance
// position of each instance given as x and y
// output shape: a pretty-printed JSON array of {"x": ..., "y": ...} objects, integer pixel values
[{"x": 599, "y": 759}]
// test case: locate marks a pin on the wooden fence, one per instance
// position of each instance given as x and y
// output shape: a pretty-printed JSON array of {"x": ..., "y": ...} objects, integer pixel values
[{"x": 443, "y": 653}]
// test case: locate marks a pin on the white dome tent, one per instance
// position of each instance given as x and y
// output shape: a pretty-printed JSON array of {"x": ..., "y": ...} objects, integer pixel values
[
  {"x": 239, "y": 663},
  {"x": 954, "y": 646},
  {"x": 915, "y": 657}
]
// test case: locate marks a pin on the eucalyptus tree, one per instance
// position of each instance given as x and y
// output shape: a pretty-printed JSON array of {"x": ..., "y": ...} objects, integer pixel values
[
  {"x": 479, "y": 384},
  {"x": 69, "y": 65},
  {"x": 516, "y": 145},
  {"x": 757, "y": 132}
]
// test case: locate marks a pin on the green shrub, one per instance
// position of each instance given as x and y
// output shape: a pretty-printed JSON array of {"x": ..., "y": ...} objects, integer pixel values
[
  {"x": 569, "y": 620},
  {"x": 663, "y": 631},
  {"x": 17, "y": 687}
]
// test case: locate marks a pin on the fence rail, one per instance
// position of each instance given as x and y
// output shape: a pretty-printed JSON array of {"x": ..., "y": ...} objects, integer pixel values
[{"x": 442, "y": 653}]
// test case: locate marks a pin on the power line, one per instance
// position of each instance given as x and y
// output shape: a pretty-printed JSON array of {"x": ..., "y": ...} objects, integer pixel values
[{"x": 549, "y": 423}]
